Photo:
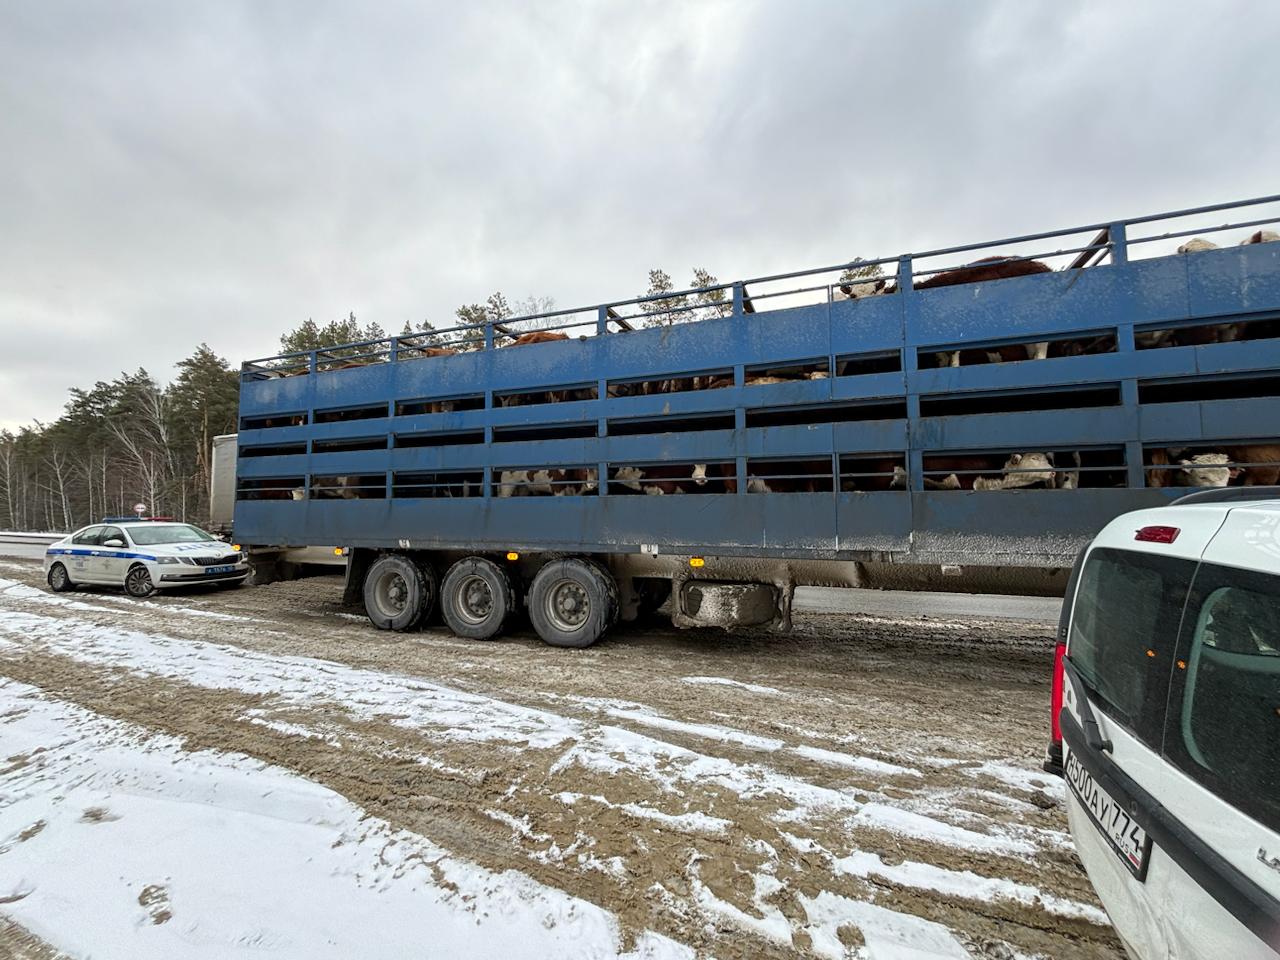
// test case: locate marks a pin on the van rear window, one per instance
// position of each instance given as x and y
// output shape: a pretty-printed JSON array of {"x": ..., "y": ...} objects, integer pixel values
[
  {"x": 1124, "y": 628},
  {"x": 1224, "y": 715}
]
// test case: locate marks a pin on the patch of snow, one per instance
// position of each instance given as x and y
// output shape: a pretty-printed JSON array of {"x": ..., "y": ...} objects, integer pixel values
[
  {"x": 771, "y": 924},
  {"x": 896, "y": 820},
  {"x": 726, "y": 682},
  {"x": 863, "y": 764},
  {"x": 887, "y": 934},
  {"x": 965, "y": 884},
  {"x": 707, "y": 730},
  {"x": 693, "y": 822},
  {"x": 1022, "y": 778},
  {"x": 214, "y": 855},
  {"x": 20, "y": 591}
]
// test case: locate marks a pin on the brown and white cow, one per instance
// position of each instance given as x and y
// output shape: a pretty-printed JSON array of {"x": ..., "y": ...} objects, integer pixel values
[{"x": 982, "y": 271}]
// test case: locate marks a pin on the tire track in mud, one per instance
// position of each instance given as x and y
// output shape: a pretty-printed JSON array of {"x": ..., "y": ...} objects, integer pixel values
[{"x": 619, "y": 837}]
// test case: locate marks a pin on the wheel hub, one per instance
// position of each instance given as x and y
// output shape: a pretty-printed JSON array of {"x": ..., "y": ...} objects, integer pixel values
[
  {"x": 476, "y": 600},
  {"x": 570, "y": 605}
]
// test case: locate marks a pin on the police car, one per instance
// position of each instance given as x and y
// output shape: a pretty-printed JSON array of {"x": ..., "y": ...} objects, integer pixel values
[
  {"x": 1167, "y": 709},
  {"x": 142, "y": 556}
]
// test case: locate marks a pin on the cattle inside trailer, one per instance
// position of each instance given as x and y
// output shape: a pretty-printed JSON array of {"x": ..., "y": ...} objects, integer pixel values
[{"x": 950, "y": 412}]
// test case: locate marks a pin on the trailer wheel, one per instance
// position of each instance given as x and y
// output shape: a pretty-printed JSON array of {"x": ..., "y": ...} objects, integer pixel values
[
  {"x": 476, "y": 598},
  {"x": 572, "y": 603},
  {"x": 397, "y": 594}
]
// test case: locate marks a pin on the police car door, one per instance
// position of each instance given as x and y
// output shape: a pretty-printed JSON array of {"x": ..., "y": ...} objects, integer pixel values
[
  {"x": 112, "y": 562},
  {"x": 82, "y": 561}
]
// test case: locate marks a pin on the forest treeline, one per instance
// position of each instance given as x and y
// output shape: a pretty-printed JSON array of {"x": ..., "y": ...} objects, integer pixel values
[{"x": 135, "y": 440}]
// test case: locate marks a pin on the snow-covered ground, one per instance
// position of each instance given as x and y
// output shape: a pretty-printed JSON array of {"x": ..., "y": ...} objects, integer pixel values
[{"x": 224, "y": 775}]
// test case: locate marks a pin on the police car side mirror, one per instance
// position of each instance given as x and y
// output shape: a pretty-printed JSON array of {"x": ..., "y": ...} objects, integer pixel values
[{"x": 113, "y": 542}]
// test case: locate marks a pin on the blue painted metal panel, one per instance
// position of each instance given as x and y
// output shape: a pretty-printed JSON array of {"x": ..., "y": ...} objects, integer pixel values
[{"x": 1036, "y": 526}]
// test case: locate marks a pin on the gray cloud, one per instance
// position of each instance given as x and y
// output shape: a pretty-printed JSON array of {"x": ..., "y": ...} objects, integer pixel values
[{"x": 176, "y": 173}]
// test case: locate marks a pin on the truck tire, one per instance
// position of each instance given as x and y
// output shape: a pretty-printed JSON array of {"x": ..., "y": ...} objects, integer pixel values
[
  {"x": 397, "y": 593},
  {"x": 477, "y": 598},
  {"x": 572, "y": 603}
]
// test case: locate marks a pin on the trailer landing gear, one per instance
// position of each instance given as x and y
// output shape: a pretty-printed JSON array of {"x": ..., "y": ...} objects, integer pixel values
[
  {"x": 398, "y": 593},
  {"x": 573, "y": 602}
]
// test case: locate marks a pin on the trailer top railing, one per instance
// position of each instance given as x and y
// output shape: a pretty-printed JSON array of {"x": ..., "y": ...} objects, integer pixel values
[{"x": 1098, "y": 242}]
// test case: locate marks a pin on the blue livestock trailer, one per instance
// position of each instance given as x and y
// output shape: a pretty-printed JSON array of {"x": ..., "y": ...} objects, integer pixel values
[{"x": 974, "y": 413}]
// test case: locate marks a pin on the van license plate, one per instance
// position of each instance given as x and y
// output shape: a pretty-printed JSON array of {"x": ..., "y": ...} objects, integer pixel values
[{"x": 1129, "y": 841}]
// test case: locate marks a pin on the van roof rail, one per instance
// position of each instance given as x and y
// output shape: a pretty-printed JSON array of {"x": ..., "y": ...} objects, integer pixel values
[{"x": 1229, "y": 495}]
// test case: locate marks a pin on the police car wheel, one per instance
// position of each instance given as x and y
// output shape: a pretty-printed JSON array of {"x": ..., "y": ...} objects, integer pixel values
[
  {"x": 59, "y": 579},
  {"x": 137, "y": 582}
]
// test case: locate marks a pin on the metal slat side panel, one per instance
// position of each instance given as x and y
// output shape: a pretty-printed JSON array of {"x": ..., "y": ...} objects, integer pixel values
[{"x": 876, "y": 413}]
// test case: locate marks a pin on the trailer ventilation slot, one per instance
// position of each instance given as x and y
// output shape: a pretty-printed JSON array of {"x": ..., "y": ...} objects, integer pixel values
[
  {"x": 1022, "y": 401},
  {"x": 370, "y": 486},
  {"x": 1018, "y": 351},
  {"x": 445, "y": 438},
  {"x": 273, "y": 420},
  {"x": 693, "y": 424},
  {"x": 864, "y": 364},
  {"x": 676, "y": 383},
  {"x": 272, "y": 450},
  {"x": 270, "y": 488},
  {"x": 1027, "y": 469},
  {"x": 548, "y": 431},
  {"x": 789, "y": 476},
  {"x": 544, "y": 481},
  {"x": 348, "y": 444},
  {"x": 665, "y": 479},
  {"x": 855, "y": 412},
  {"x": 422, "y": 405},
  {"x": 371, "y": 412},
  {"x": 865, "y": 472},
  {"x": 1207, "y": 388},
  {"x": 528, "y": 398},
  {"x": 445, "y": 483},
  {"x": 1227, "y": 463},
  {"x": 818, "y": 369},
  {"x": 1264, "y": 326}
]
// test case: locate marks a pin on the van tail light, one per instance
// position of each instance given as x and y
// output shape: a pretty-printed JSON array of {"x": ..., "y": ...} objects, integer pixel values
[
  {"x": 1053, "y": 758},
  {"x": 1157, "y": 534}
]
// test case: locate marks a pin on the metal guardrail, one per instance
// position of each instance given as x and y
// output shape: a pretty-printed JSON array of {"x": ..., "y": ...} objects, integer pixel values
[
  {"x": 7, "y": 537},
  {"x": 1108, "y": 239}
]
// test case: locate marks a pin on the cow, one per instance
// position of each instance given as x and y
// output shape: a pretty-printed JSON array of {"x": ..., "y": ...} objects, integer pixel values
[
  {"x": 720, "y": 477},
  {"x": 876, "y": 474},
  {"x": 537, "y": 336},
  {"x": 548, "y": 482},
  {"x": 1021, "y": 471},
  {"x": 1266, "y": 456},
  {"x": 1197, "y": 244},
  {"x": 981, "y": 271},
  {"x": 860, "y": 290},
  {"x": 1262, "y": 236},
  {"x": 1173, "y": 469}
]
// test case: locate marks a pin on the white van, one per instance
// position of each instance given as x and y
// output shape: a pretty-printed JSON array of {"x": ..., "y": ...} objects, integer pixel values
[{"x": 1168, "y": 680}]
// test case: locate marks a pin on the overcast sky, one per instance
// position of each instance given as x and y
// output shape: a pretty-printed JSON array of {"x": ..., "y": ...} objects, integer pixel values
[{"x": 179, "y": 172}]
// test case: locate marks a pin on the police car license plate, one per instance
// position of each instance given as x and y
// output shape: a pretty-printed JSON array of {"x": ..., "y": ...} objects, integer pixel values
[
  {"x": 1128, "y": 840},
  {"x": 218, "y": 569}
]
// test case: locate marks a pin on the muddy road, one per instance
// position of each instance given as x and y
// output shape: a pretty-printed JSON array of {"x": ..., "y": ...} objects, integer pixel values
[{"x": 870, "y": 779}]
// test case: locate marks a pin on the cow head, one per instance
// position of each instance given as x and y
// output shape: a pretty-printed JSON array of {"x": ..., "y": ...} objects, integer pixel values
[
  {"x": 629, "y": 477},
  {"x": 1205, "y": 470},
  {"x": 1028, "y": 469},
  {"x": 699, "y": 475}
]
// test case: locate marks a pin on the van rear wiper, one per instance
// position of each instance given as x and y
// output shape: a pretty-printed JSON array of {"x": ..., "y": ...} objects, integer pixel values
[{"x": 1092, "y": 733}]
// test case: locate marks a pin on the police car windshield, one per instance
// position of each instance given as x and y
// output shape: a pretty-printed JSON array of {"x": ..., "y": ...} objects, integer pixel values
[{"x": 174, "y": 533}]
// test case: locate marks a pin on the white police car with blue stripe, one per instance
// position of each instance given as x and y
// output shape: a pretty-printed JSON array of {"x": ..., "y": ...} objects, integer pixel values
[{"x": 141, "y": 557}]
